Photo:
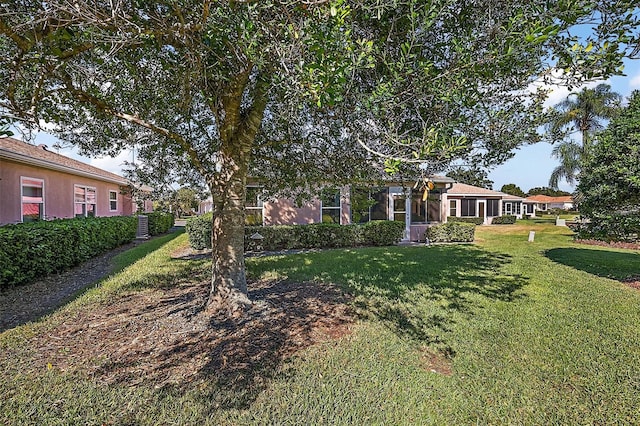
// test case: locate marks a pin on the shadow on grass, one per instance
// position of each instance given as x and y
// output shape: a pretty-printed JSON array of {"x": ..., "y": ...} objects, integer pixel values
[
  {"x": 602, "y": 263},
  {"x": 418, "y": 292},
  {"x": 165, "y": 339}
]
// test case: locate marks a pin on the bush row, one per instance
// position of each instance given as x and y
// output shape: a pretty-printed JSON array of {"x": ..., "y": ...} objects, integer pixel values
[
  {"x": 33, "y": 250},
  {"x": 321, "y": 235},
  {"x": 474, "y": 220},
  {"x": 160, "y": 222},
  {"x": 450, "y": 232},
  {"x": 615, "y": 227},
  {"x": 504, "y": 220}
]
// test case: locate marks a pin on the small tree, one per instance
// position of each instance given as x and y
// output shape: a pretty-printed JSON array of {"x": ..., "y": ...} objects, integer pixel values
[
  {"x": 610, "y": 180},
  {"x": 513, "y": 189}
]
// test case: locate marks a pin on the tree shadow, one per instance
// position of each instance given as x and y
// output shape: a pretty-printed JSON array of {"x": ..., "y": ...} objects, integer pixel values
[
  {"x": 156, "y": 333},
  {"x": 418, "y": 292},
  {"x": 602, "y": 263}
]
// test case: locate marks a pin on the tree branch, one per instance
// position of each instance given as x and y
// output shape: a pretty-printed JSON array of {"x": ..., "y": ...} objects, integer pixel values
[{"x": 104, "y": 107}]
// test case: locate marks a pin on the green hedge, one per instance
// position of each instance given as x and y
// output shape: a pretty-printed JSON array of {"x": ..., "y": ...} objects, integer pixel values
[
  {"x": 33, "y": 250},
  {"x": 199, "y": 231},
  {"x": 504, "y": 220},
  {"x": 321, "y": 235},
  {"x": 458, "y": 232},
  {"x": 474, "y": 220},
  {"x": 160, "y": 222}
]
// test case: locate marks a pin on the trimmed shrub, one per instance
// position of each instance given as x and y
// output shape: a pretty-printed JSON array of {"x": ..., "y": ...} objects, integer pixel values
[
  {"x": 160, "y": 222},
  {"x": 504, "y": 220},
  {"x": 381, "y": 232},
  {"x": 474, "y": 220},
  {"x": 458, "y": 232},
  {"x": 199, "y": 231},
  {"x": 320, "y": 235},
  {"x": 33, "y": 250}
]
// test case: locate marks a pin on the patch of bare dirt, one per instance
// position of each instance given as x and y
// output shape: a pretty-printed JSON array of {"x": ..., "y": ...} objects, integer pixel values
[
  {"x": 633, "y": 282},
  {"x": 166, "y": 337},
  {"x": 612, "y": 244},
  {"x": 436, "y": 362}
]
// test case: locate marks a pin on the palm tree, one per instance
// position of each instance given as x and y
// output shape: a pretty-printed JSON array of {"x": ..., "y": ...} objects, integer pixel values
[{"x": 583, "y": 112}]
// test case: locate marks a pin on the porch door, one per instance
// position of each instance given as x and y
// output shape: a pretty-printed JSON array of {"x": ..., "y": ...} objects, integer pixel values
[
  {"x": 399, "y": 206},
  {"x": 481, "y": 209}
]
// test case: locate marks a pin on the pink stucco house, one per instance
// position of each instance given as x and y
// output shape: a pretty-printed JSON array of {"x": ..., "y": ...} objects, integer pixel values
[
  {"x": 393, "y": 201},
  {"x": 36, "y": 183}
]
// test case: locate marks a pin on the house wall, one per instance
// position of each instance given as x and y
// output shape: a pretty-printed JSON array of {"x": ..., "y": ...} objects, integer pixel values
[
  {"x": 58, "y": 193},
  {"x": 284, "y": 212}
]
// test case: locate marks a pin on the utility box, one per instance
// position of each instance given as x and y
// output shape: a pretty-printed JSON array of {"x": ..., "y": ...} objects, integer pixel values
[{"x": 143, "y": 227}]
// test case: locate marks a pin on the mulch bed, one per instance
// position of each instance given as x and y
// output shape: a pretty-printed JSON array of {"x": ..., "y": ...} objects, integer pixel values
[
  {"x": 166, "y": 336},
  {"x": 612, "y": 244}
]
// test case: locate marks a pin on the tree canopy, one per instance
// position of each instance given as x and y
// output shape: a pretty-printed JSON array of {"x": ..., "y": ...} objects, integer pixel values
[
  {"x": 296, "y": 93},
  {"x": 545, "y": 190},
  {"x": 471, "y": 176},
  {"x": 609, "y": 184},
  {"x": 513, "y": 189}
]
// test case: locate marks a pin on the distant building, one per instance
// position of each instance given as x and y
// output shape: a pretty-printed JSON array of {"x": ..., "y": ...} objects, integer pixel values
[
  {"x": 544, "y": 203},
  {"x": 392, "y": 201},
  {"x": 37, "y": 184}
]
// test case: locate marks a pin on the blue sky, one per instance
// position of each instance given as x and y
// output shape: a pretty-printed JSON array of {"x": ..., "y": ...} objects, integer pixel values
[{"x": 530, "y": 167}]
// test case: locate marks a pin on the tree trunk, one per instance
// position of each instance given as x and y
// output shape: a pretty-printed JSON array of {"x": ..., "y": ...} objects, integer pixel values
[
  {"x": 228, "y": 279},
  {"x": 238, "y": 130}
]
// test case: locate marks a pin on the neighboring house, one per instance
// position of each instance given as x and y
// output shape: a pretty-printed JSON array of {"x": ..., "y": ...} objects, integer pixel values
[
  {"x": 545, "y": 203},
  {"x": 36, "y": 184},
  {"x": 393, "y": 201}
]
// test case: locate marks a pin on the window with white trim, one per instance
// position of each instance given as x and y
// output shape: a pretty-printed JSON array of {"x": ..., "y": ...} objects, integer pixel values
[
  {"x": 84, "y": 198},
  {"x": 330, "y": 198},
  {"x": 493, "y": 208},
  {"x": 453, "y": 208},
  {"x": 253, "y": 206},
  {"x": 32, "y": 199},
  {"x": 113, "y": 201},
  {"x": 512, "y": 208},
  {"x": 468, "y": 207}
]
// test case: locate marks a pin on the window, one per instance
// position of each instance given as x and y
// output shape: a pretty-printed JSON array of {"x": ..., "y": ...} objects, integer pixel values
[
  {"x": 32, "y": 198},
  {"x": 253, "y": 206},
  {"x": 84, "y": 201},
  {"x": 330, "y": 198},
  {"x": 468, "y": 207},
  {"x": 399, "y": 208},
  {"x": 529, "y": 208},
  {"x": 380, "y": 210},
  {"x": 113, "y": 201},
  {"x": 453, "y": 208},
  {"x": 493, "y": 208},
  {"x": 512, "y": 208},
  {"x": 418, "y": 208}
]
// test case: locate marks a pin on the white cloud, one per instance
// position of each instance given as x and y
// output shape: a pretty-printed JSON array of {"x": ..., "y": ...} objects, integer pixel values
[
  {"x": 634, "y": 83},
  {"x": 557, "y": 92}
]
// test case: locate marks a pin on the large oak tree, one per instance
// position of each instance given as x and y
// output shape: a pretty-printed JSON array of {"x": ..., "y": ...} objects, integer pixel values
[{"x": 295, "y": 93}]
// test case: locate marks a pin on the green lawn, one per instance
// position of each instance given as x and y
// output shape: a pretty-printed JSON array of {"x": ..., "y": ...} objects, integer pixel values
[{"x": 500, "y": 332}]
